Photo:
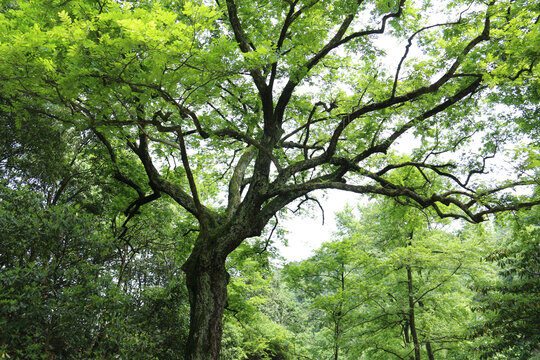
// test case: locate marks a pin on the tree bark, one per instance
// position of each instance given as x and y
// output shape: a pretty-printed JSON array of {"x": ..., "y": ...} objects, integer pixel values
[
  {"x": 429, "y": 351},
  {"x": 206, "y": 279},
  {"x": 336, "y": 341},
  {"x": 412, "y": 315},
  {"x": 337, "y": 328},
  {"x": 428, "y": 343}
]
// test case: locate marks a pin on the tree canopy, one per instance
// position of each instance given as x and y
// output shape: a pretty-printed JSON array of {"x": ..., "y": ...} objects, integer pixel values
[{"x": 236, "y": 109}]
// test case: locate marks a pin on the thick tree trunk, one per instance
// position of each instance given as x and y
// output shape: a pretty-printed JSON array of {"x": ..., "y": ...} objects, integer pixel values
[{"x": 207, "y": 280}]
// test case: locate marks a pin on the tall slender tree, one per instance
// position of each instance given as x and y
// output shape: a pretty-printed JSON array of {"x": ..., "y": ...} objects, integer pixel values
[{"x": 331, "y": 283}]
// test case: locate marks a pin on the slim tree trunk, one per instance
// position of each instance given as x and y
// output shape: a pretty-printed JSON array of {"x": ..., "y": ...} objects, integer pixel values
[
  {"x": 337, "y": 335},
  {"x": 429, "y": 351},
  {"x": 207, "y": 280},
  {"x": 428, "y": 343},
  {"x": 336, "y": 344},
  {"x": 337, "y": 328},
  {"x": 411, "y": 314}
]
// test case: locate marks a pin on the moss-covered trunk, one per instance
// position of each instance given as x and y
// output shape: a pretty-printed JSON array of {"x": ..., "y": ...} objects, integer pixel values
[{"x": 207, "y": 280}]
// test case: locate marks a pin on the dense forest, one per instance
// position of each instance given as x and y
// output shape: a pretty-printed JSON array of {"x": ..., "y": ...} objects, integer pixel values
[{"x": 150, "y": 151}]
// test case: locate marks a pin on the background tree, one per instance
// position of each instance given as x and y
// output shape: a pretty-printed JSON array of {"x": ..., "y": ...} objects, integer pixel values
[
  {"x": 253, "y": 327},
  {"x": 423, "y": 306},
  {"x": 236, "y": 110},
  {"x": 511, "y": 307},
  {"x": 332, "y": 283},
  {"x": 80, "y": 278},
  {"x": 409, "y": 293}
]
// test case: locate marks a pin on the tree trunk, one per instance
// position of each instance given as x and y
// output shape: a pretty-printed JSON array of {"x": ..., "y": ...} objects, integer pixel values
[
  {"x": 336, "y": 344},
  {"x": 428, "y": 343},
  {"x": 337, "y": 334},
  {"x": 337, "y": 328},
  {"x": 206, "y": 279},
  {"x": 429, "y": 351},
  {"x": 412, "y": 322}
]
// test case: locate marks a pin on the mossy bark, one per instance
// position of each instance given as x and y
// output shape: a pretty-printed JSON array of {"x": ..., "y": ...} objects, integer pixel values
[{"x": 206, "y": 279}]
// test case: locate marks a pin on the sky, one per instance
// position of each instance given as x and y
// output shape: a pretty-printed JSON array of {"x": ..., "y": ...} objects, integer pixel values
[{"x": 307, "y": 233}]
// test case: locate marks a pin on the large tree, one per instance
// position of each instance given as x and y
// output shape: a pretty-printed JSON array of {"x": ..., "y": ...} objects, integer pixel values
[{"x": 236, "y": 109}]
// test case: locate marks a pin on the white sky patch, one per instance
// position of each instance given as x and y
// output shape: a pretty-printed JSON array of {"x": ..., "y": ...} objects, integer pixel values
[{"x": 307, "y": 233}]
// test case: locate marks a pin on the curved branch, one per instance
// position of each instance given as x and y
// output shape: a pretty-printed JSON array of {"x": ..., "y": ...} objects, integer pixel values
[
  {"x": 293, "y": 145},
  {"x": 135, "y": 205},
  {"x": 173, "y": 190},
  {"x": 335, "y": 42},
  {"x": 381, "y": 147},
  {"x": 408, "y": 46},
  {"x": 377, "y": 347},
  {"x": 235, "y": 185},
  {"x": 286, "y": 94},
  {"x": 412, "y": 95},
  {"x": 243, "y": 43},
  {"x": 380, "y": 30},
  {"x": 389, "y": 189},
  {"x": 289, "y": 20},
  {"x": 300, "y": 128},
  {"x": 439, "y": 284},
  {"x": 193, "y": 187}
]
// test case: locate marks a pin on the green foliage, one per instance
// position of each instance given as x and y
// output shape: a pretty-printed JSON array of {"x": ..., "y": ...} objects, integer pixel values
[
  {"x": 76, "y": 281},
  {"x": 266, "y": 102},
  {"x": 253, "y": 328},
  {"x": 31, "y": 148},
  {"x": 155, "y": 323},
  {"x": 511, "y": 308},
  {"x": 331, "y": 283},
  {"x": 358, "y": 285},
  {"x": 59, "y": 292},
  {"x": 50, "y": 263}
]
